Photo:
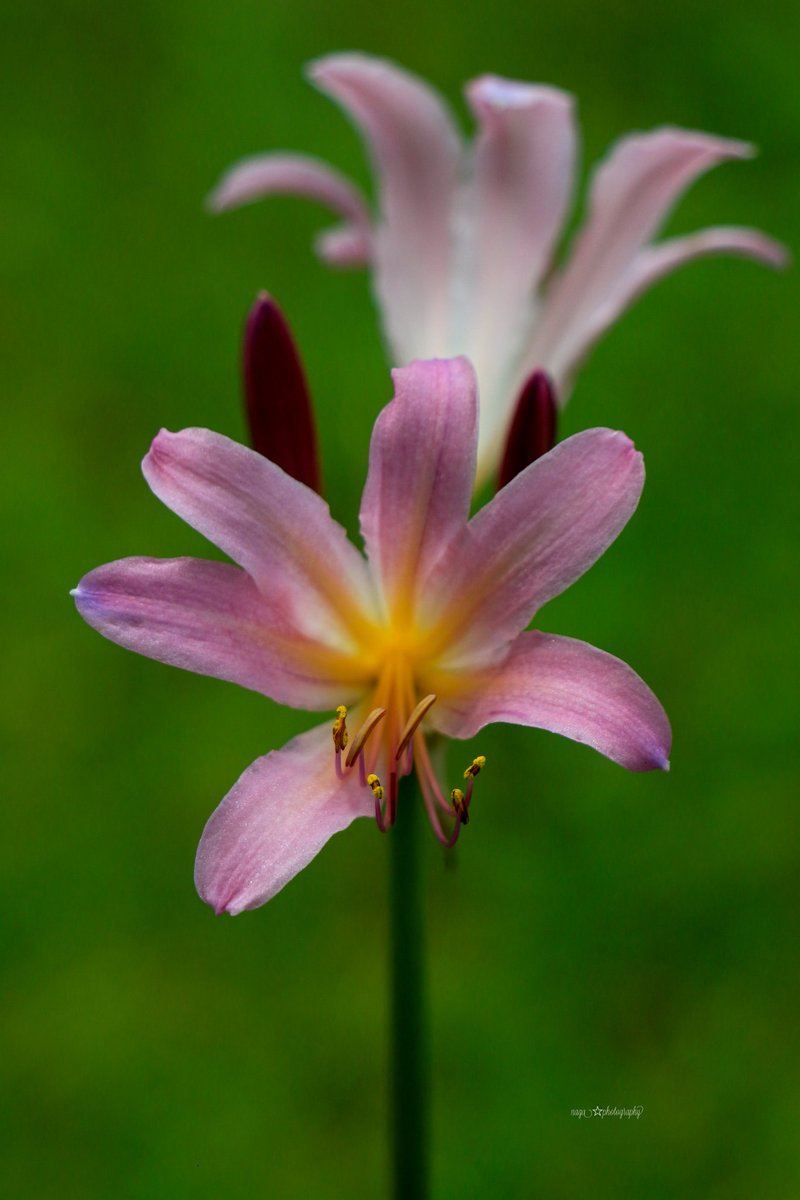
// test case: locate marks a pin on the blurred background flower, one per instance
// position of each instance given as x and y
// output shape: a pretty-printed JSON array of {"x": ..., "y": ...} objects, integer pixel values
[
  {"x": 607, "y": 939},
  {"x": 463, "y": 246}
]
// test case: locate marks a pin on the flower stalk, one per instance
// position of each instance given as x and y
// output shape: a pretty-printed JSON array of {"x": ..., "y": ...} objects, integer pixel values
[{"x": 409, "y": 1050}]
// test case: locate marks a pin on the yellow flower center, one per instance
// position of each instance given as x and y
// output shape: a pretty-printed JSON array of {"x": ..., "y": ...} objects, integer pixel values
[{"x": 390, "y": 737}]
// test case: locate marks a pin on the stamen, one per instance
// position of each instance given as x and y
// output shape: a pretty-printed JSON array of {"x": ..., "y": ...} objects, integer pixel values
[
  {"x": 412, "y": 723},
  {"x": 374, "y": 783},
  {"x": 461, "y": 805},
  {"x": 376, "y": 786},
  {"x": 432, "y": 796},
  {"x": 360, "y": 740},
  {"x": 340, "y": 734},
  {"x": 475, "y": 767}
]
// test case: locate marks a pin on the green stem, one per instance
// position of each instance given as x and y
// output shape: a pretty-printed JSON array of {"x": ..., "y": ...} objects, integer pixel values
[{"x": 409, "y": 1027}]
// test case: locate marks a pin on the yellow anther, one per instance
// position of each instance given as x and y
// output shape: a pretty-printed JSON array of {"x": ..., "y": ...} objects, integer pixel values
[
  {"x": 360, "y": 740},
  {"x": 340, "y": 734},
  {"x": 457, "y": 801},
  {"x": 475, "y": 767},
  {"x": 377, "y": 788},
  {"x": 412, "y": 723}
]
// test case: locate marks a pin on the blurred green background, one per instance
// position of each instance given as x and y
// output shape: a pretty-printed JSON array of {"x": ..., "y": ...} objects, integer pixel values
[{"x": 601, "y": 938}]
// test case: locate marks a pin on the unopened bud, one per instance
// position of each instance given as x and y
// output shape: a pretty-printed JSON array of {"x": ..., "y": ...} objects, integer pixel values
[
  {"x": 277, "y": 398},
  {"x": 533, "y": 428}
]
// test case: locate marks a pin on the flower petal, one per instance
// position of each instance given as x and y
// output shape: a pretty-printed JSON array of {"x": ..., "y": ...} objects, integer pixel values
[
  {"x": 300, "y": 175},
  {"x": 570, "y": 688},
  {"x": 631, "y": 196},
  {"x": 532, "y": 540},
  {"x": 280, "y": 531},
  {"x": 522, "y": 175},
  {"x": 652, "y": 263},
  {"x": 343, "y": 247},
  {"x": 421, "y": 469},
  {"x": 416, "y": 151},
  {"x": 274, "y": 820},
  {"x": 210, "y": 617}
]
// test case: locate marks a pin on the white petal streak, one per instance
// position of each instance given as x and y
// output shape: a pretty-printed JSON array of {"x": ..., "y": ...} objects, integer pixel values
[{"x": 416, "y": 150}]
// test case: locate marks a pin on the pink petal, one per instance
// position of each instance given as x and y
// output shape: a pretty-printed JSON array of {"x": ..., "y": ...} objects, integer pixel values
[
  {"x": 633, "y": 191},
  {"x": 421, "y": 471},
  {"x": 416, "y": 151},
  {"x": 536, "y": 537},
  {"x": 280, "y": 531},
  {"x": 523, "y": 170},
  {"x": 274, "y": 820},
  {"x": 343, "y": 247},
  {"x": 211, "y": 618},
  {"x": 299, "y": 175},
  {"x": 652, "y": 263},
  {"x": 570, "y": 688}
]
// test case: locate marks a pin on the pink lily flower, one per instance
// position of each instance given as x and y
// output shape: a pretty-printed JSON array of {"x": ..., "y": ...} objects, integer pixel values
[
  {"x": 424, "y": 633},
  {"x": 462, "y": 247}
]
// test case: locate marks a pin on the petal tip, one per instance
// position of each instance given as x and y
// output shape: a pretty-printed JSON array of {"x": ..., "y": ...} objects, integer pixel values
[
  {"x": 225, "y": 193},
  {"x": 658, "y": 758},
  {"x": 219, "y": 904},
  {"x": 159, "y": 444},
  {"x": 214, "y": 202},
  {"x": 612, "y": 437},
  {"x": 776, "y": 255},
  {"x": 231, "y": 906},
  {"x": 497, "y": 92},
  {"x": 327, "y": 65},
  {"x": 701, "y": 141}
]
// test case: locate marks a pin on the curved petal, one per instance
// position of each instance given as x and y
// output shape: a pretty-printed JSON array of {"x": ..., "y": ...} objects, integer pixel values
[
  {"x": 344, "y": 247},
  {"x": 416, "y": 151},
  {"x": 300, "y": 175},
  {"x": 421, "y": 469},
  {"x": 631, "y": 195},
  {"x": 274, "y": 820},
  {"x": 280, "y": 531},
  {"x": 570, "y": 688},
  {"x": 523, "y": 167},
  {"x": 536, "y": 537},
  {"x": 210, "y": 617},
  {"x": 652, "y": 263}
]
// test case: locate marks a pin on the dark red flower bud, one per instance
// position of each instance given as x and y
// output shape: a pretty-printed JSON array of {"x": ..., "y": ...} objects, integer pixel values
[
  {"x": 277, "y": 398},
  {"x": 533, "y": 429}
]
